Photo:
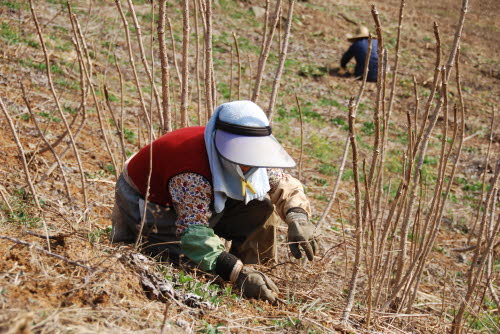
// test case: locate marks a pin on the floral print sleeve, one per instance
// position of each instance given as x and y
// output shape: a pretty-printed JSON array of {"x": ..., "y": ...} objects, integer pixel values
[
  {"x": 275, "y": 175},
  {"x": 191, "y": 197}
]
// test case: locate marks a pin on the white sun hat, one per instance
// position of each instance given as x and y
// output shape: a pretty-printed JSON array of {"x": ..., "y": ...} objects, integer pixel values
[{"x": 243, "y": 136}]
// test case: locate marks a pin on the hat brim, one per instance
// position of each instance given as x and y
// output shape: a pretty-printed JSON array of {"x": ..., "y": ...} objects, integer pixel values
[
  {"x": 351, "y": 38},
  {"x": 252, "y": 151}
]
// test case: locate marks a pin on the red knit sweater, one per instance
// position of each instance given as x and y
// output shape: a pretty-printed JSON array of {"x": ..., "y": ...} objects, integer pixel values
[{"x": 177, "y": 152}]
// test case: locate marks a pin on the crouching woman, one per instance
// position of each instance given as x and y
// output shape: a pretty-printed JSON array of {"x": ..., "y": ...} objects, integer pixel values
[{"x": 223, "y": 180}]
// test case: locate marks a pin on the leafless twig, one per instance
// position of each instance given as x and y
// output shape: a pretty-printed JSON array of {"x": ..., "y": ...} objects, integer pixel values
[
  {"x": 359, "y": 224},
  {"x": 165, "y": 68},
  {"x": 149, "y": 73},
  {"x": 281, "y": 64},
  {"x": 185, "y": 73},
  {"x": 174, "y": 51},
  {"x": 44, "y": 138},
  {"x": 25, "y": 167},
  {"x": 301, "y": 137},
  {"x": 239, "y": 64},
  {"x": 132, "y": 61},
  {"x": 336, "y": 187},
  {"x": 56, "y": 100},
  {"x": 265, "y": 48}
]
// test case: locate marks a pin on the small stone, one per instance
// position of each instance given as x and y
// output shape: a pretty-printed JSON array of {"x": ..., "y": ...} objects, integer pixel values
[
  {"x": 461, "y": 258},
  {"x": 258, "y": 11}
]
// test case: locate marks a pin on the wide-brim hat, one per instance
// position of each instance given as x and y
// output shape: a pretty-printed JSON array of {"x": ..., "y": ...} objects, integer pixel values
[
  {"x": 243, "y": 136},
  {"x": 360, "y": 32}
]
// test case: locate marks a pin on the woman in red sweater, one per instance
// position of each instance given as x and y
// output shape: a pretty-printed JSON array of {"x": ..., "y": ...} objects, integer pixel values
[{"x": 223, "y": 180}]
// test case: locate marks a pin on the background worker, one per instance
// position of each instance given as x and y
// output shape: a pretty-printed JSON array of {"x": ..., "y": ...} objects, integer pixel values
[
  {"x": 358, "y": 50},
  {"x": 222, "y": 180}
]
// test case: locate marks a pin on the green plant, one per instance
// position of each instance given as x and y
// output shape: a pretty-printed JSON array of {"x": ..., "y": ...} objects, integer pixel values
[
  {"x": 368, "y": 128},
  {"x": 210, "y": 329},
  {"x": 320, "y": 197},
  {"x": 208, "y": 292},
  {"x": 55, "y": 69},
  {"x": 110, "y": 169},
  {"x": 288, "y": 322},
  {"x": 289, "y": 63},
  {"x": 476, "y": 186},
  {"x": 327, "y": 169},
  {"x": 347, "y": 175},
  {"x": 431, "y": 161},
  {"x": 11, "y": 4},
  {"x": 21, "y": 204},
  {"x": 320, "y": 147},
  {"x": 312, "y": 71},
  {"x": 95, "y": 235},
  {"x": 223, "y": 88},
  {"x": 65, "y": 47},
  {"x": 320, "y": 181},
  {"x": 7, "y": 33},
  {"x": 49, "y": 116},
  {"x": 483, "y": 321},
  {"x": 393, "y": 162},
  {"x": 98, "y": 174},
  {"x": 64, "y": 82},
  {"x": 129, "y": 135}
]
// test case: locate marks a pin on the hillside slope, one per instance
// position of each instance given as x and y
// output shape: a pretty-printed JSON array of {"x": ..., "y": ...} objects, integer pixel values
[{"x": 84, "y": 284}]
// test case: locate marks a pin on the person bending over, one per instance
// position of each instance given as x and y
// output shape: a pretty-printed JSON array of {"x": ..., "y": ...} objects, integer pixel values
[
  {"x": 223, "y": 180},
  {"x": 358, "y": 51}
]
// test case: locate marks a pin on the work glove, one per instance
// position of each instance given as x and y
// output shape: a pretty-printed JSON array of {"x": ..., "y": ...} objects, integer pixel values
[
  {"x": 301, "y": 235},
  {"x": 254, "y": 284},
  {"x": 251, "y": 282}
]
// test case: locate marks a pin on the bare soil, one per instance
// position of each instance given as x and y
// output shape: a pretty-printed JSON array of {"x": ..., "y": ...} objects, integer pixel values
[{"x": 101, "y": 291}]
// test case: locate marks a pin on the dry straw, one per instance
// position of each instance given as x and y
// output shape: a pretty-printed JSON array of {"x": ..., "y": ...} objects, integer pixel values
[{"x": 387, "y": 268}]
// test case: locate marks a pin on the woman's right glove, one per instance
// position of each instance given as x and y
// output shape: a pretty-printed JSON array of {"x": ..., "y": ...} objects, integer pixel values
[
  {"x": 255, "y": 284},
  {"x": 251, "y": 282}
]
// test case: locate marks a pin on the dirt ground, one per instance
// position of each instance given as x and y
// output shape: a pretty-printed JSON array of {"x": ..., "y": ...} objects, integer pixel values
[{"x": 93, "y": 287}]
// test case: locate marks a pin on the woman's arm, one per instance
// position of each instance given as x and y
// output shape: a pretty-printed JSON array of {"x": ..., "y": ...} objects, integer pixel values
[
  {"x": 191, "y": 197},
  {"x": 287, "y": 193}
]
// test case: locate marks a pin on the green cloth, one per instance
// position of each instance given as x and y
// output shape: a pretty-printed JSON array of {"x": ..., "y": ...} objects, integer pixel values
[{"x": 201, "y": 245}]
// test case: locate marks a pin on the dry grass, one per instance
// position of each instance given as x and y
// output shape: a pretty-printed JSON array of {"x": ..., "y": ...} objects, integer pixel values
[{"x": 40, "y": 293}]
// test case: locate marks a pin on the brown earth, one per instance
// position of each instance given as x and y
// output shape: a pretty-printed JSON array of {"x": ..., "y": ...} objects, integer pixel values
[{"x": 40, "y": 293}]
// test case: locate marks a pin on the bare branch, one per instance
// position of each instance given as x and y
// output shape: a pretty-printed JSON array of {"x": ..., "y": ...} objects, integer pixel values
[
  {"x": 185, "y": 73},
  {"x": 44, "y": 138},
  {"x": 165, "y": 68},
  {"x": 56, "y": 100},
  {"x": 25, "y": 167},
  {"x": 132, "y": 61},
  {"x": 265, "y": 48},
  {"x": 281, "y": 64}
]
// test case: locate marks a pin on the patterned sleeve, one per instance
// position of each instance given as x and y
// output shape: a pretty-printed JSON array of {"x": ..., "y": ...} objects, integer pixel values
[
  {"x": 191, "y": 197},
  {"x": 275, "y": 175}
]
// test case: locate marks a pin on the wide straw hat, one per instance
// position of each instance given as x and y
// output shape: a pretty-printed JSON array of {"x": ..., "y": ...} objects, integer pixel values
[
  {"x": 360, "y": 32},
  {"x": 243, "y": 136}
]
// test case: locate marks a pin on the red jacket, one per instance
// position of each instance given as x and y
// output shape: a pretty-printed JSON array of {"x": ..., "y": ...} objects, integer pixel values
[{"x": 176, "y": 152}]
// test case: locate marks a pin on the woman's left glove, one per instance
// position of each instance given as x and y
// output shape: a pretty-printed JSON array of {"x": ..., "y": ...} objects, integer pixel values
[{"x": 301, "y": 233}]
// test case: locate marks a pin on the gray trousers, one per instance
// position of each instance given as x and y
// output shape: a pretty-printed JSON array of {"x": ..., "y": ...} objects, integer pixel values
[{"x": 251, "y": 227}]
